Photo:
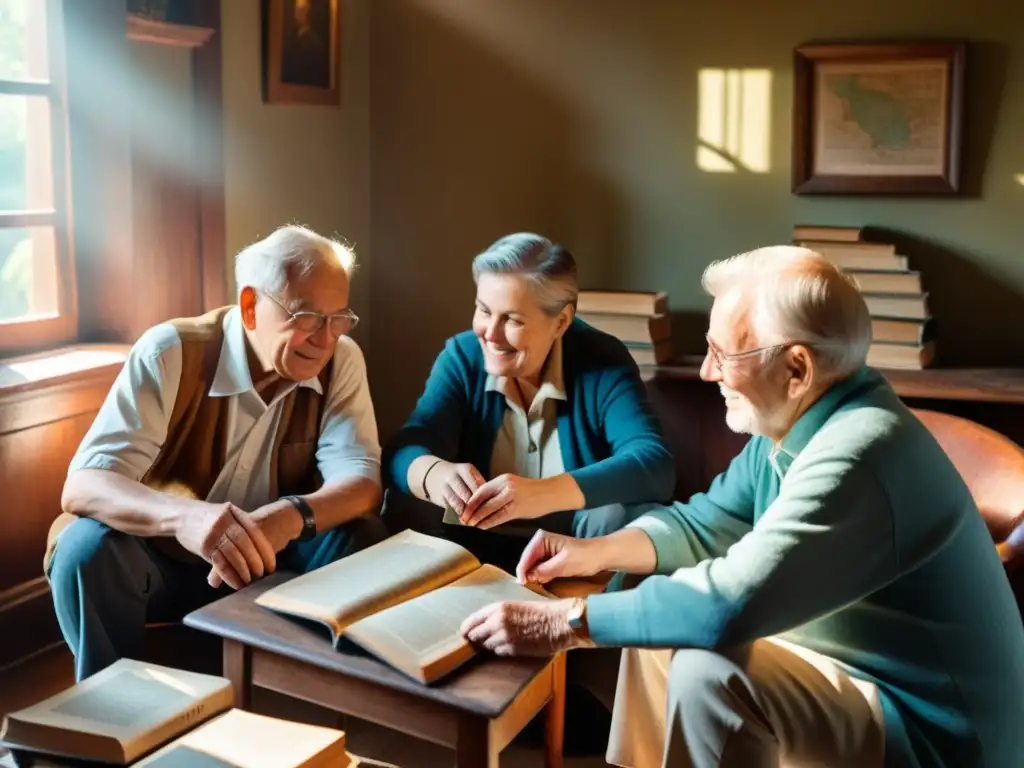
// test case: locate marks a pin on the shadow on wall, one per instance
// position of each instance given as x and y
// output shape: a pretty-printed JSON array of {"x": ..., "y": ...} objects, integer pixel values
[
  {"x": 973, "y": 312},
  {"x": 482, "y": 149},
  {"x": 985, "y": 83},
  {"x": 688, "y": 331}
]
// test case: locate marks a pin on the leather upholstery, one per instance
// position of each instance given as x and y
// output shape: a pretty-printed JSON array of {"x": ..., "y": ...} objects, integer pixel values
[{"x": 992, "y": 465}]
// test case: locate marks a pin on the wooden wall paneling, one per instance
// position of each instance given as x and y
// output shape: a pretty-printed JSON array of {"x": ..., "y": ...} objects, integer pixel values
[
  {"x": 28, "y": 624},
  {"x": 209, "y": 121},
  {"x": 149, "y": 245},
  {"x": 34, "y": 462},
  {"x": 40, "y": 430},
  {"x": 166, "y": 265},
  {"x": 178, "y": 215},
  {"x": 101, "y": 191}
]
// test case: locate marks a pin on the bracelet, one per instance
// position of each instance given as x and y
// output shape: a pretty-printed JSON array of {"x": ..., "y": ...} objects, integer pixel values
[
  {"x": 308, "y": 518},
  {"x": 426, "y": 494}
]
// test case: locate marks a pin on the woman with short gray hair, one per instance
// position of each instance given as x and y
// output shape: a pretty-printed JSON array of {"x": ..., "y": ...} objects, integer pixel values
[{"x": 532, "y": 416}]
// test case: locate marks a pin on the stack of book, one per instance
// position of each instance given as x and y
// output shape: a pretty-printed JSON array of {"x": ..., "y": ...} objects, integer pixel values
[
  {"x": 639, "y": 319},
  {"x": 139, "y": 714},
  {"x": 894, "y": 293}
]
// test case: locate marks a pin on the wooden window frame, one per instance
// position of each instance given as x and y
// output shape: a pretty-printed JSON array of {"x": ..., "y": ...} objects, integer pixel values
[{"x": 20, "y": 335}]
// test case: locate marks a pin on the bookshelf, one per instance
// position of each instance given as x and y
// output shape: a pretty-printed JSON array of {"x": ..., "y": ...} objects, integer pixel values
[{"x": 978, "y": 385}]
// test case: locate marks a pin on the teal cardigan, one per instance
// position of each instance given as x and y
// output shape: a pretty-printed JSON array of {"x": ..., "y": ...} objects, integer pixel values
[
  {"x": 610, "y": 439},
  {"x": 856, "y": 538}
]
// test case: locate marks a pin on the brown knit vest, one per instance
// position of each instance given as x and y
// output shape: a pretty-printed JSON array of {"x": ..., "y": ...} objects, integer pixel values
[{"x": 193, "y": 452}]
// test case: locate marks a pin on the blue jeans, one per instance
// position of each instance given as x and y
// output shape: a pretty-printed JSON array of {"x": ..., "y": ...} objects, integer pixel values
[{"x": 107, "y": 585}]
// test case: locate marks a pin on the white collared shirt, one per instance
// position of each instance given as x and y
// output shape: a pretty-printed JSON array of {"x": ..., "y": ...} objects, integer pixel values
[
  {"x": 131, "y": 425},
  {"x": 527, "y": 442}
]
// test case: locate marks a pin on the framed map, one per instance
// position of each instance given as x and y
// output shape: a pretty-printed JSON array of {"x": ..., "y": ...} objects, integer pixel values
[{"x": 878, "y": 118}]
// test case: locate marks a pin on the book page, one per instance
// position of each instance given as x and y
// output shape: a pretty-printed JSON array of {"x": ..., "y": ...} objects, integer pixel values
[
  {"x": 450, "y": 516},
  {"x": 129, "y": 706},
  {"x": 239, "y": 739},
  {"x": 397, "y": 569},
  {"x": 420, "y": 633}
]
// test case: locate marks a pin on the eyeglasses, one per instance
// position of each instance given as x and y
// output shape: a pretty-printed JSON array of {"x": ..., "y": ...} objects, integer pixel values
[
  {"x": 720, "y": 358},
  {"x": 311, "y": 322}
]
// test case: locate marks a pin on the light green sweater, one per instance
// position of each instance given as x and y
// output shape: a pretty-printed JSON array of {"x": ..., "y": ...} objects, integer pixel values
[{"x": 858, "y": 539}]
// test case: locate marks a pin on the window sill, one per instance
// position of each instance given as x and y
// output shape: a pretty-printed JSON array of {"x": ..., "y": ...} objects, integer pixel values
[
  {"x": 59, "y": 366},
  {"x": 57, "y": 384}
]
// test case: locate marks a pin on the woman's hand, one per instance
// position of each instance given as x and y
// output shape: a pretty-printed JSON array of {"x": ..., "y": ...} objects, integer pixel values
[
  {"x": 511, "y": 497},
  {"x": 453, "y": 484},
  {"x": 506, "y": 497},
  {"x": 551, "y": 556}
]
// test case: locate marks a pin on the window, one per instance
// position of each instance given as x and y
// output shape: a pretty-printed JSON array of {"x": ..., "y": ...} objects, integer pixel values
[{"x": 37, "y": 295}]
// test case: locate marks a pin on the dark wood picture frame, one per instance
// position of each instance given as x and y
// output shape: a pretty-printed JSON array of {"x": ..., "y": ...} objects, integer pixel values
[
  {"x": 301, "y": 51},
  {"x": 941, "y": 177}
]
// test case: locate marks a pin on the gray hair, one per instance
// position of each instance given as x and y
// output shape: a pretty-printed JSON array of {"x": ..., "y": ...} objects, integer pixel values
[
  {"x": 800, "y": 296},
  {"x": 548, "y": 267},
  {"x": 291, "y": 252}
]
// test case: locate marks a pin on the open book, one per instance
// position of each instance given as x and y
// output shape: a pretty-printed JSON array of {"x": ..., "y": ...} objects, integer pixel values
[
  {"x": 402, "y": 600},
  {"x": 240, "y": 739},
  {"x": 118, "y": 714}
]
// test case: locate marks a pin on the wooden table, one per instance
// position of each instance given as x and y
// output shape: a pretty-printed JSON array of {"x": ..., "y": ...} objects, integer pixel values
[{"x": 476, "y": 711}]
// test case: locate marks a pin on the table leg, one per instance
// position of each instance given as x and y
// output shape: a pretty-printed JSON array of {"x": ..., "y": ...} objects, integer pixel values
[
  {"x": 473, "y": 747},
  {"x": 238, "y": 669},
  {"x": 554, "y": 716}
]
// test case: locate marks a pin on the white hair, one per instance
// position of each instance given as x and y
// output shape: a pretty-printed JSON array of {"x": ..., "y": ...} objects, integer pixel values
[
  {"x": 799, "y": 296},
  {"x": 290, "y": 252}
]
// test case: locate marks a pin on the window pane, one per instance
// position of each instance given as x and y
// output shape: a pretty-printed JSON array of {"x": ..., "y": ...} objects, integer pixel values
[
  {"x": 28, "y": 273},
  {"x": 23, "y": 52},
  {"x": 26, "y": 176}
]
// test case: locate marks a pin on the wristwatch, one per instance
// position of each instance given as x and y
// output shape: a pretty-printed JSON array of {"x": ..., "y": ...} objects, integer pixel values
[
  {"x": 577, "y": 617},
  {"x": 308, "y": 519}
]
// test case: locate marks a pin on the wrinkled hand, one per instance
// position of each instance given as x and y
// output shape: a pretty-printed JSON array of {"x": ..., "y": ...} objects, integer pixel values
[
  {"x": 278, "y": 522},
  {"x": 506, "y": 497},
  {"x": 224, "y": 536},
  {"x": 522, "y": 628},
  {"x": 554, "y": 556},
  {"x": 454, "y": 484}
]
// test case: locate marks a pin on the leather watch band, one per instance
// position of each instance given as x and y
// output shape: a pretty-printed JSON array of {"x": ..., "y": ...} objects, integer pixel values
[{"x": 308, "y": 518}]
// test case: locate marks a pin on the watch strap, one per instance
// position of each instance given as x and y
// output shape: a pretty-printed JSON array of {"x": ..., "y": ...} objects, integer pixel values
[
  {"x": 308, "y": 518},
  {"x": 578, "y": 615},
  {"x": 578, "y": 623}
]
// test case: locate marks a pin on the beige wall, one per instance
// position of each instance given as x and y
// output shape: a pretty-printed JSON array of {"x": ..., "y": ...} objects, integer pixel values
[
  {"x": 302, "y": 164},
  {"x": 579, "y": 119}
]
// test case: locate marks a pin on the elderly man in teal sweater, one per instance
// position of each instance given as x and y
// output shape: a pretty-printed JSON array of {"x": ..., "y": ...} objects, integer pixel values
[{"x": 833, "y": 599}]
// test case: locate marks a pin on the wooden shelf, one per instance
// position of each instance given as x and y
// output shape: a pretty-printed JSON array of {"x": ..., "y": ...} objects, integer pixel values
[
  {"x": 143, "y": 30},
  {"x": 980, "y": 385}
]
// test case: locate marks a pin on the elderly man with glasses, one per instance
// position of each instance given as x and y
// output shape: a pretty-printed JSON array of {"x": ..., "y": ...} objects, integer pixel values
[
  {"x": 230, "y": 444},
  {"x": 833, "y": 599}
]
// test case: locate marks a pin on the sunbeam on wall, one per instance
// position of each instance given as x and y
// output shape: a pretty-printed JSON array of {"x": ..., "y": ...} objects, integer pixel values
[
  {"x": 1020, "y": 179},
  {"x": 733, "y": 120}
]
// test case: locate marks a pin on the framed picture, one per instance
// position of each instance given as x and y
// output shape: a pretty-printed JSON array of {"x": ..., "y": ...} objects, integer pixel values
[
  {"x": 301, "y": 51},
  {"x": 878, "y": 118}
]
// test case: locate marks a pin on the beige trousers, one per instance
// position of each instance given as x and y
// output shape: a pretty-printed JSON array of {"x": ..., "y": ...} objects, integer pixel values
[{"x": 769, "y": 704}]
